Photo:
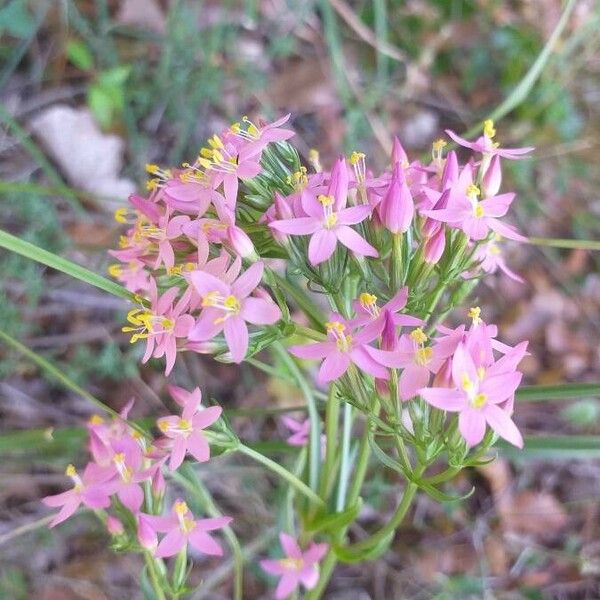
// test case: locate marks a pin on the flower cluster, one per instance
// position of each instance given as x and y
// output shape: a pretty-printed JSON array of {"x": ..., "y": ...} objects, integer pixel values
[
  {"x": 391, "y": 253},
  {"x": 126, "y": 474}
]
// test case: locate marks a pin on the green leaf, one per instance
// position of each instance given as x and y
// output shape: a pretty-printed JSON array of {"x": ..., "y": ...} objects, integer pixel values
[
  {"x": 79, "y": 54},
  {"x": 19, "y": 246},
  {"x": 334, "y": 521},
  {"x": 565, "y": 447},
  {"x": 563, "y": 391},
  {"x": 347, "y": 555},
  {"x": 114, "y": 77}
]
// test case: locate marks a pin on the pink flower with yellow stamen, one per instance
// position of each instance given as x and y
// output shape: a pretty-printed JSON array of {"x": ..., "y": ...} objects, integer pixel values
[
  {"x": 228, "y": 307},
  {"x": 297, "y": 568},
  {"x": 182, "y": 528},
  {"x": 328, "y": 221},
  {"x": 185, "y": 431}
]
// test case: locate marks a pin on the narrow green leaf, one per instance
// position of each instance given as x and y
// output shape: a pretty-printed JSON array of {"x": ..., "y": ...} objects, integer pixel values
[
  {"x": 524, "y": 87},
  {"x": 79, "y": 54},
  {"x": 565, "y": 243},
  {"x": 28, "y": 250},
  {"x": 334, "y": 521},
  {"x": 347, "y": 555},
  {"x": 564, "y": 447},
  {"x": 563, "y": 391}
]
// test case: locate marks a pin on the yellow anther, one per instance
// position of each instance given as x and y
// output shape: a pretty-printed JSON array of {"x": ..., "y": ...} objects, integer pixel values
[
  {"x": 439, "y": 145},
  {"x": 478, "y": 211},
  {"x": 235, "y": 127},
  {"x": 152, "y": 169},
  {"x": 184, "y": 424},
  {"x": 253, "y": 130},
  {"x": 71, "y": 471},
  {"x": 204, "y": 162},
  {"x": 210, "y": 299},
  {"x": 163, "y": 426},
  {"x": 217, "y": 156},
  {"x": 232, "y": 303},
  {"x": 119, "y": 458},
  {"x": 473, "y": 190},
  {"x": 331, "y": 220},
  {"x": 494, "y": 250},
  {"x": 335, "y": 326},
  {"x": 423, "y": 356},
  {"x": 313, "y": 155},
  {"x": 96, "y": 420},
  {"x": 367, "y": 299},
  {"x": 467, "y": 384},
  {"x": 290, "y": 564},
  {"x": 115, "y": 270},
  {"x": 418, "y": 336},
  {"x": 167, "y": 323},
  {"x": 475, "y": 314},
  {"x": 356, "y": 157},
  {"x": 120, "y": 215},
  {"x": 181, "y": 508},
  {"x": 481, "y": 373},
  {"x": 326, "y": 200},
  {"x": 479, "y": 401},
  {"x": 215, "y": 141},
  {"x": 488, "y": 128},
  {"x": 206, "y": 152}
]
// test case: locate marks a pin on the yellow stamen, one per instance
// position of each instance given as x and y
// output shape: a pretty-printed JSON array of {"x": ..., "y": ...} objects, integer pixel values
[
  {"x": 367, "y": 299},
  {"x": 481, "y": 373},
  {"x": 326, "y": 200},
  {"x": 115, "y": 270},
  {"x": 475, "y": 314},
  {"x": 356, "y": 157},
  {"x": 439, "y": 145},
  {"x": 96, "y": 420},
  {"x": 232, "y": 303},
  {"x": 488, "y": 128},
  {"x": 120, "y": 215},
  {"x": 467, "y": 384},
  {"x": 331, "y": 220},
  {"x": 181, "y": 508},
  {"x": 423, "y": 356},
  {"x": 335, "y": 327},
  {"x": 473, "y": 190},
  {"x": 478, "y": 211},
  {"x": 70, "y": 471},
  {"x": 418, "y": 336},
  {"x": 479, "y": 401}
]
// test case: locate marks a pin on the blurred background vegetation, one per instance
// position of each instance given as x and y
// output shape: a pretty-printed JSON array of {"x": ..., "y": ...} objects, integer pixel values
[{"x": 91, "y": 90}]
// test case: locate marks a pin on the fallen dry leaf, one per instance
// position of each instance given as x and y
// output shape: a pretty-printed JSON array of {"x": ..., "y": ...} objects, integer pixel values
[
  {"x": 90, "y": 160},
  {"x": 536, "y": 513}
]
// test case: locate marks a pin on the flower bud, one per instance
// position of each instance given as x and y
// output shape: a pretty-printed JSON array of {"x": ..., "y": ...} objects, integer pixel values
[
  {"x": 492, "y": 178},
  {"x": 399, "y": 155},
  {"x": 397, "y": 208},
  {"x": 240, "y": 242},
  {"x": 146, "y": 535},
  {"x": 114, "y": 526},
  {"x": 443, "y": 378},
  {"x": 434, "y": 246},
  {"x": 451, "y": 170}
]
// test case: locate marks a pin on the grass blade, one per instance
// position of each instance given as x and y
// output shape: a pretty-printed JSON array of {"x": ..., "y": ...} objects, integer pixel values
[
  {"x": 33, "y": 252},
  {"x": 563, "y": 447},
  {"x": 565, "y": 243},
  {"x": 563, "y": 391}
]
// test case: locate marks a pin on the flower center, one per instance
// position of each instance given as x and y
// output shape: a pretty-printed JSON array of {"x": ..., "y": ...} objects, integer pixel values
[
  {"x": 369, "y": 303},
  {"x": 122, "y": 468},
  {"x": 330, "y": 218},
  {"x": 186, "y": 524},
  {"x": 342, "y": 340},
  {"x": 479, "y": 401},
  {"x": 357, "y": 160},
  {"x": 292, "y": 564},
  {"x": 146, "y": 323},
  {"x": 488, "y": 128},
  {"x": 71, "y": 472},
  {"x": 475, "y": 314},
  {"x": 423, "y": 356}
]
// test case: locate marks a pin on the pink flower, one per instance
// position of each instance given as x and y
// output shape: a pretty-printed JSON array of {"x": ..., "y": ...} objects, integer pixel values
[
  {"x": 255, "y": 138},
  {"x": 91, "y": 490},
  {"x": 490, "y": 259},
  {"x": 476, "y": 396},
  {"x": 342, "y": 349},
  {"x": 369, "y": 313},
  {"x": 328, "y": 220},
  {"x": 415, "y": 358},
  {"x": 186, "y": 431},
  {"x": 477, "y": 217},
  {"x": 227, "y": 308},
  {"x": 300, "y": 431},
  {"x": 486, "y": 145},
  {"x": 397, "y": 208},
  {"x": 161, "y": 324},
  {"x": 297, "y": 568},
  {"x": 181, "y": 528}
]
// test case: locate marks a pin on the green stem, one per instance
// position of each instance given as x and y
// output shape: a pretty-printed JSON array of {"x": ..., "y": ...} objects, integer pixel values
[
  {"x": 396, "y": 274},
  {"x": 313, "y": 413},
  {"x": 282, "y": 472},
  {"x": 66, "y": 381},
  {"x": 345, "y": 464},
  {"x": 154, "y": 579},
  {"x": 302, "y": 299},
  {"x": 331, "y": 430}
]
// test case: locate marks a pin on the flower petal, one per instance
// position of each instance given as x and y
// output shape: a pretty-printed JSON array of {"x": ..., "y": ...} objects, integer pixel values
[
  {"x": 259, "y": 311},
  {"x": 471, "y": 424}
]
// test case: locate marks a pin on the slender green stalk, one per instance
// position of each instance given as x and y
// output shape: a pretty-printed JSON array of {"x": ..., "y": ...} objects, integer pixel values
[
  {"x": 396, "y": 262},
  {"x": 66, "y": 381},
  {"x": 332, "y": 416},
  {"x": 345, "y": 461},
  {"x": 19, "y": 246},
  {"x": 302, "y": 299},
  {"x": 565, "y": 243},
  {"x": 563, "y": 391},
  {"x": 314, "y": 462},
  {"x": 524, "y": 87},
  {"x": 154, "y": 579},
  {"x": 282, "y": 472}
]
